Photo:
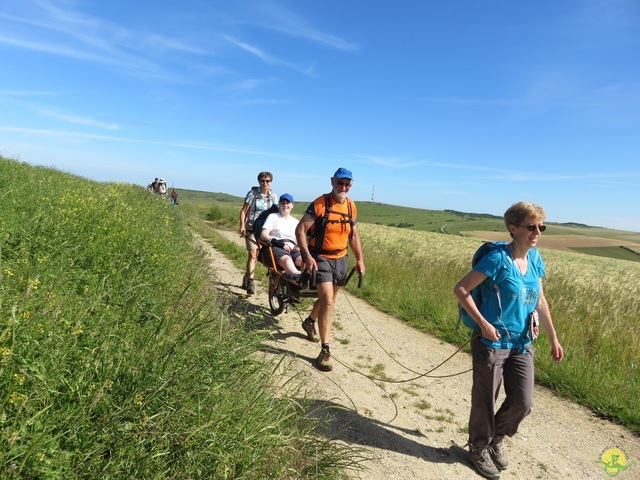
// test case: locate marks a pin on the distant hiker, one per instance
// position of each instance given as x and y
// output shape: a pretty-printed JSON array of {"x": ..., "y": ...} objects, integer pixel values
[
  {"x": 174, "y": 197},
  {"x": 161, "y": 188},
  {"x": 501, "y": 344},
  {"x": 258, "y": 199},
  {"x": 153, "y": 186},
  {"x": 330, "y": 222}
]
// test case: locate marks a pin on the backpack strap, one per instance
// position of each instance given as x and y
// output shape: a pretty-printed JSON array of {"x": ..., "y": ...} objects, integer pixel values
[
  {"x": 253, "y": 206},
  {"x": 491, "y": 284},
  {"x": 319, "y": 227}
]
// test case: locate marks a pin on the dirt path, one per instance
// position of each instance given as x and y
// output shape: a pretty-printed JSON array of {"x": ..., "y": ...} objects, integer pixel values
[{"x": 416, "y": 429}]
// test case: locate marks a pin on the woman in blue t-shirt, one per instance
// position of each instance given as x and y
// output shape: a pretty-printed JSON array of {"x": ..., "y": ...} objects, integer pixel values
[{"x": 503, "y": 347}]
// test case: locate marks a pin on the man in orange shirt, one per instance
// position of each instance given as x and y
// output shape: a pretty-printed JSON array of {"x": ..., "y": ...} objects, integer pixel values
[{"x": 327, "y": 227}]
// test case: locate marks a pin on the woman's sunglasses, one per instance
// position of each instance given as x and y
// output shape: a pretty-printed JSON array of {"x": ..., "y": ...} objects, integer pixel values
[{"x": 532, "y": 228}]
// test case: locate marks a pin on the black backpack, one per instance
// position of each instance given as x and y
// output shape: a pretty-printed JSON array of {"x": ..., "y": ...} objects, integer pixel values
[
  {"x": 319, "y": 227},
  {"x": 259, "y": 222}
]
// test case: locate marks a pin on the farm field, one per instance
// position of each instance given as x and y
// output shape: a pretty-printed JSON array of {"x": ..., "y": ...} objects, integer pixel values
[
  {"x": 598, "y": 246},
  {"x": 576, "y": 238}
]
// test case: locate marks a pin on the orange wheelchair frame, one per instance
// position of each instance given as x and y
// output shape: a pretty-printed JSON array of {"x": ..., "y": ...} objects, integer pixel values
[{"x": 283, "y": 292}]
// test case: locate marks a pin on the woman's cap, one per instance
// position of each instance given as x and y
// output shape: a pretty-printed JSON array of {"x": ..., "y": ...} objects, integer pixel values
[{"x": 286, "y": 196}]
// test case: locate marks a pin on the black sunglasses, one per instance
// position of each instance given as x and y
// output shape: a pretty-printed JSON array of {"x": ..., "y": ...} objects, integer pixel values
[{"x": 532, "y": 228}]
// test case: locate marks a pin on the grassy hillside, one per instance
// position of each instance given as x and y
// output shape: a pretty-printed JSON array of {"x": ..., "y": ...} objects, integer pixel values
[{"x": 117, "y": 357}]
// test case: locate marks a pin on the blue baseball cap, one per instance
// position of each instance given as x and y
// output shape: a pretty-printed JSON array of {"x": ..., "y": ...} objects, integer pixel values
[
  {"x": 286, "y": 196},
  {"x": 343, "y": 173}
]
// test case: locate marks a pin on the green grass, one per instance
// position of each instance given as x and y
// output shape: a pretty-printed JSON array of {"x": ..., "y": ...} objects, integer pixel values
[
  {"x": 610, "y": 252},
  {"x": 594, "y": 303},
  {"x": 118, "y": 358}
]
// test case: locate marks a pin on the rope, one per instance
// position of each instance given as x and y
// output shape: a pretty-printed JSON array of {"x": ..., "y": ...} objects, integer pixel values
[
  {"x": 427, "y": 374},
  {"x": 418, "y": 374}
]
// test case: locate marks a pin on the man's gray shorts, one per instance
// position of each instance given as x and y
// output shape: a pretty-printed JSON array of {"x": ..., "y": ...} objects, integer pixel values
[{"x": 333, "y": 270}]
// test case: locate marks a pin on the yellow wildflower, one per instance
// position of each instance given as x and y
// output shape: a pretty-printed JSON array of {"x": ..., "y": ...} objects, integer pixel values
[{"x": 17, "y": 398}]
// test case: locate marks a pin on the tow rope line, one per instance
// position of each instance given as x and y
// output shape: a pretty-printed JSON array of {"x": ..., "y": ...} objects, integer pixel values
[
  {"x": 419, "y": 375},
  {"x": 427, "y": 374}
]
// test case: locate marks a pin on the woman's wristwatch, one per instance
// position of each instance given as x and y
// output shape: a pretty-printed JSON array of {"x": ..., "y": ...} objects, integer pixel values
[{"x": 304, "y": 255}]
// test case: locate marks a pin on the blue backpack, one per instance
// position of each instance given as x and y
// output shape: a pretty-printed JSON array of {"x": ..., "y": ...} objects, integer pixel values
[{"x": 489, "y": 285}]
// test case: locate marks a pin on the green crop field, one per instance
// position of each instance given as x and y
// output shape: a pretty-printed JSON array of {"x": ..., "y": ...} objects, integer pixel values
[{"x": 566, "y": 237}]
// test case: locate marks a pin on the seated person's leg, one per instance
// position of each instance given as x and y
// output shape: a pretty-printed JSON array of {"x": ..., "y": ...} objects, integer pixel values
[{"x": 285, "y": 261}]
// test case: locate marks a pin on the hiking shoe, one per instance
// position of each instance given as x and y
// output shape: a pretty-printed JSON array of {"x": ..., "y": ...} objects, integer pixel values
[
  {"x": 482, "y": 462},
  {"x": 323, "y": 362},
  {"x": 251, "y": 289},
  {"x": 309, "y": 326},
  {"x": 245, "y": 282},
  {"x": 499, "y": 456}
]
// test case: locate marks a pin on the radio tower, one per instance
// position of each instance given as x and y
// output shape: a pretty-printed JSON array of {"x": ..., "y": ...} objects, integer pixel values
[{"x": 372, "y": 194}]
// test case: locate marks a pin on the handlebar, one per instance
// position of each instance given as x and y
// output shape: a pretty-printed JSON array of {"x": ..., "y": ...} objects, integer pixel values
[{"x": 360, "y": 277}]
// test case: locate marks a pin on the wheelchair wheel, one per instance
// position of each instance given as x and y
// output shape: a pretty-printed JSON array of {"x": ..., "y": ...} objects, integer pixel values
[{"x": 277, "y": 294}]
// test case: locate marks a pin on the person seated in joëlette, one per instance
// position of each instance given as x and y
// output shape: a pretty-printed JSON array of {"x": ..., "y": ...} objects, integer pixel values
[{"x": 279, "y": 231}]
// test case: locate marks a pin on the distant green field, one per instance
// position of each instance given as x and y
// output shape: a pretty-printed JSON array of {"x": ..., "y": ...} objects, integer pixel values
[
  {"x": 610, "y": 252},
  {"x": 198, "y": 196},
  {"x": 452, "y": 223}
]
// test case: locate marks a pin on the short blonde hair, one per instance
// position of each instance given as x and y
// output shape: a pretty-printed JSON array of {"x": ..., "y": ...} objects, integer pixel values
[{"x": 519, "y": 212}]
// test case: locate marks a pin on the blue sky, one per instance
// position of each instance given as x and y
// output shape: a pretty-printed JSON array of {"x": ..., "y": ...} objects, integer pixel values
[{"x": 464, "y": 105}]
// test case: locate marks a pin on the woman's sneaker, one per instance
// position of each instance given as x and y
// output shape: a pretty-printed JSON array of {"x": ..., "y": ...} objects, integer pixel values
[
  {"x": 309, "y": 326},
  {"x": 323, "y": 362},
  {"x": 499, "y": 456},
  {"x": 482, "y": 462}
]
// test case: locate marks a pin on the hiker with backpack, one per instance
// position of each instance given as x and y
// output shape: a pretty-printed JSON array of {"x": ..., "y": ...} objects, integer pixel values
[
  {"x": 504, "y": 298},
  {"x": 258, "y": 199},
  {"x": 161, "y": 188},
  {"x": 330, "y": 223},
  {"x": 279, "y": 231}
]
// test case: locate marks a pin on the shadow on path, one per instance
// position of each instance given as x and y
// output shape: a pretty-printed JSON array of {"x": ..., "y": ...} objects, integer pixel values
[{"x": 339, "y": 423}]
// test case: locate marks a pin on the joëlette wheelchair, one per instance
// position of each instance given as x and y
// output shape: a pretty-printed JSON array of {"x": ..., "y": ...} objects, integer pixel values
[{"x": 282, "y": 291}]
